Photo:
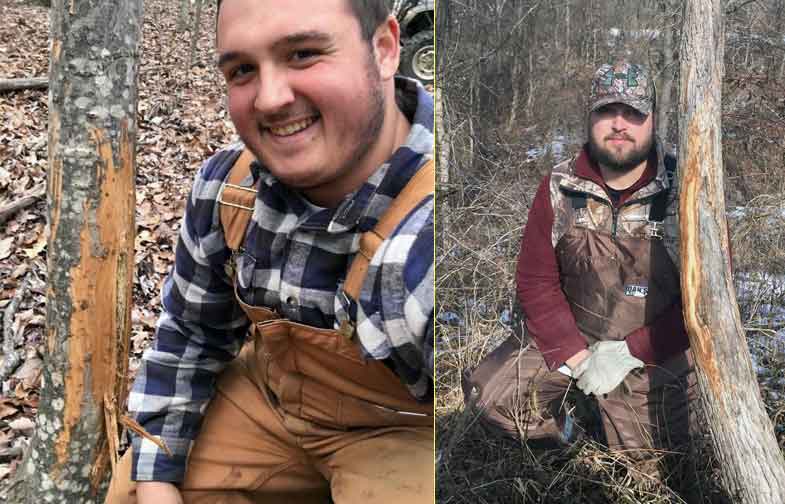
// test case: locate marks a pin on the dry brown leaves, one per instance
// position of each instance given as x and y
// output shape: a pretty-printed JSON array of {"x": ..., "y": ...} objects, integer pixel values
[{"x": 182, "y": 120}]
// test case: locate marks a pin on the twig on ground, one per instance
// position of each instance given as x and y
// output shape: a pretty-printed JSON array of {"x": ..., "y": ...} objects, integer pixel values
[
  {"x": 21, "y": 84},
  {"x": 7, "y": 210},
  {"x": 10, "y": 453},
  {"x": 12, "y": 358}
]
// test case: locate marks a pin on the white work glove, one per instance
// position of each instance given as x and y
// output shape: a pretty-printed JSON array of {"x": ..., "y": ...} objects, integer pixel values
[{"x": 606, "y": 367}]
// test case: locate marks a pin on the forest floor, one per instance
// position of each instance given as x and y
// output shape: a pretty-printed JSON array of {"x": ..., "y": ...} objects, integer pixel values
[{"x": 182, "y": 120}]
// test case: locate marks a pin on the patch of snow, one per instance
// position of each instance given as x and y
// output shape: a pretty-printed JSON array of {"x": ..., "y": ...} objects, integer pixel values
[
  {"x": 506, "y": 317},
  {"x": 533, "y": 154},
  {"x": 450, "y": 318},
  {"x": 557, "y": 148}
]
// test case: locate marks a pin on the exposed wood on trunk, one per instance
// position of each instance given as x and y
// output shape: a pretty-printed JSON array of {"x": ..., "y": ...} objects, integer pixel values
[
  {"x": 9, "y": 209},
  {"x": 20, "y": 84},
  {"x": 92, "y": 135},
  {"x": 753, "y": 470}
]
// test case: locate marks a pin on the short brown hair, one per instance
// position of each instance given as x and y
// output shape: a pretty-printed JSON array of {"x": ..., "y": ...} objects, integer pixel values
[{"x": 369, "y": 13}]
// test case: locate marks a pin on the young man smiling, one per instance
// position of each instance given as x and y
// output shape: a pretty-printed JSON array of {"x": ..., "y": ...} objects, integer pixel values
[
  {"x": 332, "y": 398},
  {"x": 598, "y": 283}
]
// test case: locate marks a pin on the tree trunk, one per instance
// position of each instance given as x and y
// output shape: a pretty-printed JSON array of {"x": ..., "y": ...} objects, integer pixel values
[
  {"x": 665, "y": 93},
  {"x": 196, "y": 31},
  {"x": 443, "y": 138},
  {"x": 182, "y": 16},
  {"x": 92, "y": 137},
  {"x": 753, "y": 470}
]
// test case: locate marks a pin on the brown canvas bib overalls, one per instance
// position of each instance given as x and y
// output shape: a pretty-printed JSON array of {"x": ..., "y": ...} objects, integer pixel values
[
  {"x": 301, "y": 416},
  {"x": 617, "y": 276}
]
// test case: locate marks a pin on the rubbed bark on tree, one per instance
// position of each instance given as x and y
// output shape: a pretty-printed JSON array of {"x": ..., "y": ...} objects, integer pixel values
[
  {"x": 92, "y": 136},
  {"x": 753, "y": 470}
]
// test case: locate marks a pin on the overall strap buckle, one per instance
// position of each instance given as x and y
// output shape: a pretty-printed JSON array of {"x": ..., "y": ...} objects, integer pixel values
[{"x": 655, "y": 230}]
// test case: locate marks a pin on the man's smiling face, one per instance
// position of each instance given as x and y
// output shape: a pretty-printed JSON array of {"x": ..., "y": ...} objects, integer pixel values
[{"x": 304, "y": 87}]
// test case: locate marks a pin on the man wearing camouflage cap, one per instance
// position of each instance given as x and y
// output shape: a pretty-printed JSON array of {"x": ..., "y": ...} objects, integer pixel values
[{"x": 598, "y": 282}]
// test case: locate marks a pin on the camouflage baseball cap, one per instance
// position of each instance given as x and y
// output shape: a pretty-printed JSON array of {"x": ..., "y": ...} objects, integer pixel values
[{"x": 622, "y": 83}]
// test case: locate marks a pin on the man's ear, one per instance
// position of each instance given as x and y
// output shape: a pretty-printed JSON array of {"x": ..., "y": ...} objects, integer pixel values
[{"x": 387, "y": 47}]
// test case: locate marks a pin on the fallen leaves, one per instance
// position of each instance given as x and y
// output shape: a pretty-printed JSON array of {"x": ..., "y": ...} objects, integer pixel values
[{"x": 6, "y": 247}]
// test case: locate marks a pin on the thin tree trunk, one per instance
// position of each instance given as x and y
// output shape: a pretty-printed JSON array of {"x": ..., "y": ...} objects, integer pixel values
[
  {"x": 443, "y": 161},
  {"x": 567, "y": 39},
  {"x": 92, "y": 136},
  {"x": 753, "y": 470},
  {"x": 182, "y": 16},
  {"x": 531, "y": 96},
  {"x": 195, "y": 32},
  {"x": 665, "y": 92},
  {"x": 515, "y": 79}
]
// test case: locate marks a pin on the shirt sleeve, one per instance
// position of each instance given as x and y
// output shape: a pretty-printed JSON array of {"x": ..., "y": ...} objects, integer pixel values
[
  {"x": 549, "y": 318},
  {"x": 395, "y": 311},
  {"x": 662, "y": 339},
  {"x": 200, "y": 330}
]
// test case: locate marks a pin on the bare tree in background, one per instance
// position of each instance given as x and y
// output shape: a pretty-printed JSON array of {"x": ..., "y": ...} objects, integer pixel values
[
  {"x": 183, "y": 15},
  {"x": 752, "y": 466},
  {"x": 92, "y": 136}
]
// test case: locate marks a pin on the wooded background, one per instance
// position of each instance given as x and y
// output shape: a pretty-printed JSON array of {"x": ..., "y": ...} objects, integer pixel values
[{"x": 514, "y": 77}]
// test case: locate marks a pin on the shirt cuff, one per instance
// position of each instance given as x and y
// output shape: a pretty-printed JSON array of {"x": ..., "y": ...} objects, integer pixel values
[{"x": 152, "y": 463}]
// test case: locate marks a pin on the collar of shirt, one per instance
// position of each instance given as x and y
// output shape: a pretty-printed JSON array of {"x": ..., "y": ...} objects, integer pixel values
[{"x": 362, "y": 208}]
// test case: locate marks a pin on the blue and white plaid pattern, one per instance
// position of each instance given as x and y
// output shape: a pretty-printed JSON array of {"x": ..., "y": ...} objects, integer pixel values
[{"x": 294, "y": 258}]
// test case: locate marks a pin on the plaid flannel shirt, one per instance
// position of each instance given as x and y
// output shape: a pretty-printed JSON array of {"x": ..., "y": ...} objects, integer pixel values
[{"x": 294, "y": 258}]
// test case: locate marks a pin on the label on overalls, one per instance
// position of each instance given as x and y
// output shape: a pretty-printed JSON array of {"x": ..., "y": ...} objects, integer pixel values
[
  {"x": 582, "y": 217},
  {"x": 639, "y": 291}
]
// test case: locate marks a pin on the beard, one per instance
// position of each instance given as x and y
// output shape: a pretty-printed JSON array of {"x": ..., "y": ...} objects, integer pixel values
[
  {"x": 620, "y": 162},
  {"x": 372, "y": 126}
]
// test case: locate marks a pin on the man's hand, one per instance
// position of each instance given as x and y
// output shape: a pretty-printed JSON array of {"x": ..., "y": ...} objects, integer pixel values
[
  {"x": 157, "y": 492},
  {"x": 606, "y": 367}
]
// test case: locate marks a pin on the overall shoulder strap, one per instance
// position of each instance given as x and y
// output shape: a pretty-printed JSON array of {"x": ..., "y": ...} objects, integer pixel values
[
  {"x": 420, "y": 186},
  {"x": 660, "y": 204},
  {"x": 236, "y": 202}
]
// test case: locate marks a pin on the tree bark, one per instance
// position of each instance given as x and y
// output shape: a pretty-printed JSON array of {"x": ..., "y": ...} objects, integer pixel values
[
  {"x": 92, "y": 136},
  {"x": 753, "y": 470},
  {"x": 21, "y": 84},
  {"x": 443, "y": 162}
]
